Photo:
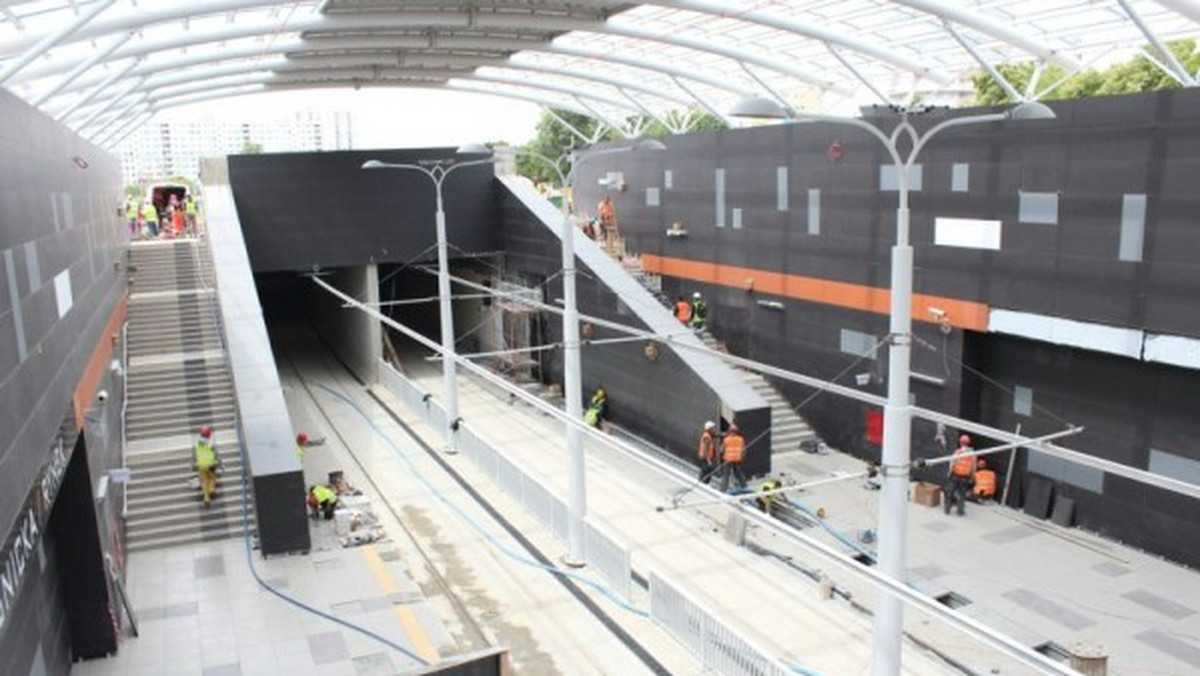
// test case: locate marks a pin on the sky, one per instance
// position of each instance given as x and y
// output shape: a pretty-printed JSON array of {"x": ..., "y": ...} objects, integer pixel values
[{"x": 389, "y": 118}]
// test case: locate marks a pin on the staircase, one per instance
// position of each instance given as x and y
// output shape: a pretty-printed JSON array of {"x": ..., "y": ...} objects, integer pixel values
[
  {"x": 788, "y": 429},
  {"x": 177, "y": 382}
]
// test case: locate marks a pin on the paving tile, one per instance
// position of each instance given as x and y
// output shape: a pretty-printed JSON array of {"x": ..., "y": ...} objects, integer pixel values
[
  {"x": 929, "y": 572},
  {"x": 328, "y": 647},
  {"x": 1159, "y": 604},
  {"x": 1048, "y": 609},
  {"x": 234, "y": 669},
  {"x": 1010, "y": 534},
  {"x": 210, "y": 566},
  {"x": 375, "y": 664},
  {"x": 1111, "y": 569},
  {"x": 1164, "y": 643},
  {"x": 938, "y": 526}
]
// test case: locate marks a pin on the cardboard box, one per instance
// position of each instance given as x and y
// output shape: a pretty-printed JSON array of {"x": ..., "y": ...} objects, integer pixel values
[{"x": 925, "y": 493}]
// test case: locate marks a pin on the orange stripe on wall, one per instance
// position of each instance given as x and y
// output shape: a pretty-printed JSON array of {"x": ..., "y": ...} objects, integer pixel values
[
  {"x": 94, "y": 371},
  {"x": 963, "y": 314}
]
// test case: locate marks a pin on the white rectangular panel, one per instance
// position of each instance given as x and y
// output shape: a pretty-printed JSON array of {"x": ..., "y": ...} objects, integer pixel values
[{"x": 970, "y": 233}]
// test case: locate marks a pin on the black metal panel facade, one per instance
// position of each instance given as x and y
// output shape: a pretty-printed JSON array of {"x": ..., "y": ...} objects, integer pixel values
[
  {"x": 62, "y": 236},
  {"x": 1097, "y": 154},
  {"x": 300, "y": 210}
]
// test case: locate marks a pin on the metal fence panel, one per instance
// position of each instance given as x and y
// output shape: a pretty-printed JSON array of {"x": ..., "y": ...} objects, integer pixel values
[
  {"x": 509, "y": 477},
  {"x": 540, "y": 502},
  {"x": 717, "y": 646},
  {"x": 608, "y": 558}
]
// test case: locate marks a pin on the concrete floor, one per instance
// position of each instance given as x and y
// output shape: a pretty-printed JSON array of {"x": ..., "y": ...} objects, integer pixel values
[{"x": 452, "y": 579}]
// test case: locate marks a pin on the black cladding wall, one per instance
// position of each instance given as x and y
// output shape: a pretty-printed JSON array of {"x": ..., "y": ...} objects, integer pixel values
[
  {"x": 300, "y": 210},
  {"x": 60, "y": 230},
  {"x": 1094, "y": 154}
]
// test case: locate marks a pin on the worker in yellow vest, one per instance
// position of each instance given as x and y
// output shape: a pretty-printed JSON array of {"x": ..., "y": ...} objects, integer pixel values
[
  {"x": 301, "y": 446},
  {"x": 151, "y": 213},
  {"x": 205, "y": 461},
  {"x": 191, "y": 211},
  {"x": 322, "y": 500}
]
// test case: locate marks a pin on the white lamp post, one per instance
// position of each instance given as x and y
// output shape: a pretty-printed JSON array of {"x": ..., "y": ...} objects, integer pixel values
[
  {"x": 572, "y": 376},
  {"x": 897, "y": 417},
  {"x": 437, "y": 171}
]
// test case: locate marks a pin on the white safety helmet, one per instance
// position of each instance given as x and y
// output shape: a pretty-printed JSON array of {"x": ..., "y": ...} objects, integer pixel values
[
  {"x": 696, "y": 295},
  {"x": 710, "y": 425}
]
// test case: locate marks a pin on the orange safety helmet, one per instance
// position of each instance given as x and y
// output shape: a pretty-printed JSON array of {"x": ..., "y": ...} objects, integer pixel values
[
  {"x": 206, "y": 432},
  {"x": 964, "y": 440},
  {"x": 302, "y": 439},
  {"x": 734, "y": 429}
]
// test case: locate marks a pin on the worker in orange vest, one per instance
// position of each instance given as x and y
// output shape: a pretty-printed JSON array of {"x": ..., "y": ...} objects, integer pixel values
[
  {"x": 962, "y": 473},
  {"x": 733, "y": 451},
  {"x": 985, "y": 481},
  {"x": 707, "y": 452},
  {"x": 683, "y": 310}
]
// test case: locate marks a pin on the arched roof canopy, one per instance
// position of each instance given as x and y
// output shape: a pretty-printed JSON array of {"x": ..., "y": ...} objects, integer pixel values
[{"x": 92, "y": 63}]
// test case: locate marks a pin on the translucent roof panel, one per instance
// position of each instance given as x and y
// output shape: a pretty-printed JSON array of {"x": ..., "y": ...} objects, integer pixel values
[{"x": 83, "y": 60}]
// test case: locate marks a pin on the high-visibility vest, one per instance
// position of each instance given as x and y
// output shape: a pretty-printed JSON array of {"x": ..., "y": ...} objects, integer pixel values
[
  {"x": 323, "y": 494},
  {"x": 151, "y": 213},
  {"x": 771, "y": 485},
  {"x": 300, "y": 450},
  {"x": 683, "y": 311},
  {"x": 699, "y": 311},
  {"x": 707, "y": 451},
  {"x": 734, "y": 447},
  {"x": 985, "y": 483},
  {"x": 206, "y": 455},
  {"x": 192, "y": 209},
  {"x": 592, "y": 416},
  {"x": 131, "y": 211},
  {"x": 963, "y": 464}
]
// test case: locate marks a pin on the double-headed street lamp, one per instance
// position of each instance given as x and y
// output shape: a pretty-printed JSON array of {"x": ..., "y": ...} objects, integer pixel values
[
  {"x": 572, "y": 378},
  {"x": 437, "y": 171},
  {"x": 897, "y": 417}
]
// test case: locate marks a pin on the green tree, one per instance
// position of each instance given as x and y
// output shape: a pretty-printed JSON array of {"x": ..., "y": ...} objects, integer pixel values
[
  {"x": 134, "y": 192},
  {"x": 703, "y": 121},
  {"x": 251, "y": 148},
  {"x": 1138, "y": 74},
  {"x": 553, "y": 139}
]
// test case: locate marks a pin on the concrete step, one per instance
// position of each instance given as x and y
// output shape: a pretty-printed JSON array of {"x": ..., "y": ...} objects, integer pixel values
[
  {"x": 188, "y": 514},
  {"x": 183, "y": 426},
  {"x": 209, "y": 529},
  {"x": 181, "y": 470},
  {"x": 148, "y": 414}
]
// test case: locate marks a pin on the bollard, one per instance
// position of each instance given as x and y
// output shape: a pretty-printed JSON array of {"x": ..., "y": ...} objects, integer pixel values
[{"x": 1089, "y": 659}]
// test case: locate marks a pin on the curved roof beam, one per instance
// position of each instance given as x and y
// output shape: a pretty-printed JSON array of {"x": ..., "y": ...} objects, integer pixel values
[
  {"x": 965, "y": 17},
  {"x": 809, "y": 30},
  {"x": 634, "y": 62},
  {"x": 51, "y": 39},
  {"x": 619, "y": 83},
  {"x": 474, "y": 21},
  {"x": 1186, "y": 8}
]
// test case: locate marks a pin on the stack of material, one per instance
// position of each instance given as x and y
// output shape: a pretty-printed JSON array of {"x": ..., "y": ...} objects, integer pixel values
[{"x": 355, "y": 522}]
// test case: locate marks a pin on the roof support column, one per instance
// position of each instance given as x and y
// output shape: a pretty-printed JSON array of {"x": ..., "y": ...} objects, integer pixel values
[
  {"x": 52, "y": 39},
  {"x": 1000, "y": 79},
  {"x": 703, "y": 104}
]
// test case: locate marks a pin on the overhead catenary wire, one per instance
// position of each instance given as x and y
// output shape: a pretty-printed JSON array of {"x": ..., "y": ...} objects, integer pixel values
[
  {"x": 1078, "y": 457},
  {"x": 967, "y": 625}
]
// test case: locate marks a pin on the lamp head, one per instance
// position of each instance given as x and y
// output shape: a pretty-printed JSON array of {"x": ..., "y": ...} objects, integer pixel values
[
  {"x": 1031, "y": 110},
  {"x": 759, "y": 107},
  {"x": 474, "y": 149},
  {"x": 650, "y": 145},
  {"x": 372, "y": 164}
]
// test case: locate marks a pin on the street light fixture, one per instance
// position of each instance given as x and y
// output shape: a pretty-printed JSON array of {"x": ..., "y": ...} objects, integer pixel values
[
  {"x": 572, "y": 377},
  {"x": 437, "y": 171},
  {"x": 897, "y": 418}
]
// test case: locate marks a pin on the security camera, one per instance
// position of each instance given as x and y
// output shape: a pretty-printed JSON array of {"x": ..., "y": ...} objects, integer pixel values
[
  {"x": 102, "y": 396},
  {"x": 937, "y": 312}
]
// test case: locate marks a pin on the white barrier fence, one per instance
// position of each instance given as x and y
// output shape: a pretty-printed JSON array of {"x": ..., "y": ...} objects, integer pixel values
[
  {"x": 605, "y": 555},
  {"x": 719, "y": 648}
]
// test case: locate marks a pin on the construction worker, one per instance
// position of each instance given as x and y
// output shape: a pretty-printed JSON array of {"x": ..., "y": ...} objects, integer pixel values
[
  {"x": 985, "y": 481},
  {"x": 598, "y": 409},
  {"x": 683, "y": 310},
  {"x": 301, "y": 446},
  {"x": 205, "y": 461},
  {"x": 322, "y": 500},
  {"x": 733, "y": 451},
  {"x": 707, "y": 451},
  {"x": 962, "y": 473},
  {"x": 131, "y": 215},
  {"x": 699, "y": 311},
  {"x": 764, "y": 502},
  {"x": 191, "y": 210},
  {"x": 151, "y": 213},
  {"x": 608, "y": 218}
]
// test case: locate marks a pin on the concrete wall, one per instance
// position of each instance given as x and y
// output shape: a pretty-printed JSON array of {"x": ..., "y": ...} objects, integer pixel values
[
  {"x": 60, "y": 237},
  {"x": 354, "y": 337},
  {"x": 300, "y": 210},
  {"x": 1092, "y": 161}
]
